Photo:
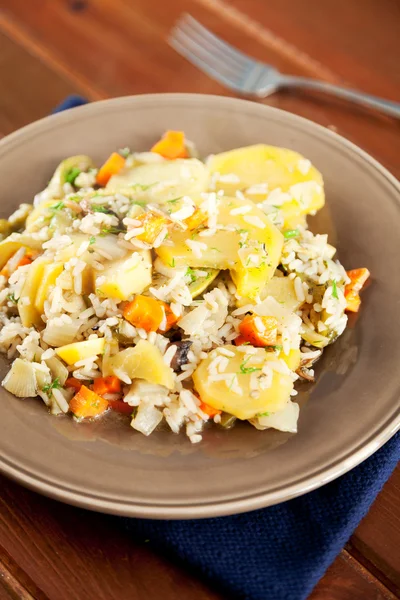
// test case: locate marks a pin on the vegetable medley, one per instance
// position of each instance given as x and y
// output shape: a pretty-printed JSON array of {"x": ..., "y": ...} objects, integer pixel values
[{"x": 172, "y": 289}]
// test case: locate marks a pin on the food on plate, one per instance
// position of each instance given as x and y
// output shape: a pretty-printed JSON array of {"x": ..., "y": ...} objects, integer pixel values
[{"x": 172, "y": 290}]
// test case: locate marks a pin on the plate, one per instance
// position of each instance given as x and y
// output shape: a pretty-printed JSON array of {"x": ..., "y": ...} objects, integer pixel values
[{"x": 348, "y": 414}]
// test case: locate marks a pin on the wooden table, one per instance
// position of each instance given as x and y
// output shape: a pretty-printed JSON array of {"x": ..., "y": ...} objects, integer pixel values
[{"x": 103, "y": 48}]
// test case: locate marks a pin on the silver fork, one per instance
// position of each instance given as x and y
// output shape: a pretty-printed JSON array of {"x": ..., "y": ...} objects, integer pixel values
[{"x": 245, "y": 75}]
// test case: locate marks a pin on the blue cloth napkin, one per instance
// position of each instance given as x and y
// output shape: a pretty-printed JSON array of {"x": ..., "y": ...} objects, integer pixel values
[{"x": 280, "y": 552}]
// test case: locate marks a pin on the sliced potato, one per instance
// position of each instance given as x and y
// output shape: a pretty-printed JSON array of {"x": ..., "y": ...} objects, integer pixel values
[
  {"x": 281, "y": 169},
  {"x": 164, "y": 181},
  {"x": 144, "y": 361},
  {"x": 51, "y": 213},
  {"x": 81, "y": 162},
  {"x": 124, "y": 277},
  {"x": 233, "y": 395},
  {"x": 26, "y": 303},
  {"x": 21, "y": 379},
  {"x": 14, "y": 242},
  {"x": 200, "y": 283},
  {"x": 282, "y": 289},
  {"x": 48, "y": 279},
  {"x": 255, "y": 241},
  {"x": 71, "y": 353}
]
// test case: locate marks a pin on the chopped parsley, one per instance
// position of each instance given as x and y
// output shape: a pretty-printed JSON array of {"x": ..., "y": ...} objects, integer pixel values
[
  {"x": 291, "y": 233},
  {"x": 58, "y": 206},
  {"x": 265, "y": 414},
  {"x": 174, "y": 200},
  {"x": 72, "y": 174},
  {"x": 125, "y": 152},
  {"x": 245, "y": 370},
  {"x": 216, "y": 249},
  {"x": 101, "y": 209},
  {"x": 114, "y": 230},
  {"x": 49, "y": 387},
  {"x": 334, "y": 290},
  {"x": 243, "y": 231},
  {"x": 172, "y": 263},
  {"x": 275, "y": 348},
  {"x": 190, "y": 273},
  {"x": 12, "y": 298},
  {"x": 92, "y": 240}
]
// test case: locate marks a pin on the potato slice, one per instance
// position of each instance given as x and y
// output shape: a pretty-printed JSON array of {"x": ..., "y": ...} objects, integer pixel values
[
  {"x": 14, "y": 242},
  {"x": 124, "y": 277},
  {"x": 254, "y": 241},
  {"x": 284, "y": 171},
  {"x": 48, "y": 279},
  {"x": 26, "y": 303},
  {"x": 144, "y": 361},
  {"x": 71, "y": 353},
  {"x": 233, "y": 394},
  {"x": 165, "y": 180}
]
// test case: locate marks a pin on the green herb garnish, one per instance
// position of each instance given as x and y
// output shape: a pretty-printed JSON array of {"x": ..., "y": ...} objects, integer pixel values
[
  {"x": 54, "y": 385},
  {"x": 275, "y": 348},
  {"x": 266, "y": 414},
  {"x": 174, "y": 201},
  {"x": 125, "y": 152},
  {"x": 291, "y": 233},
  {"x": 58, "y": 206},
  {"x": 101, "y": 209},
  {"x": 12, "y": 298},
  {"x": 92, "y": 240},
  {"x": 334, "y": 290},
  {"x": 172, "y": 263},
  {"x": 114, "y": 230},
  {"x": 72, "y": 174},
  {"x": 190, "y": 273},
  {"x": 245, "y": 370}
]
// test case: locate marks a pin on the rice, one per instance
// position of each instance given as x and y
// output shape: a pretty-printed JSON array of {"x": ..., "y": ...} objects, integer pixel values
[{"x": 92, "y": 297}]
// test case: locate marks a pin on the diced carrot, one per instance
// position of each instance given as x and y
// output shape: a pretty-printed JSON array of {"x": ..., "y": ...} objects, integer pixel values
[
  {"x": 259, "y": 331},
  {"x": 74, "y": 383},
  {"x": 114, "y": 163},
  {"x": 171, "y": 318},
  {"x": 144, "y": 312},
  {"x": 240, "y": 340},
  {"x": 107, "y": 385},
  {"x": 120, "y": 406},
  {"x": 152, "y": 224},
  {"x": 86, "y": 403},
  {"x": 171, "y": 145},
  {"x": 149, "y": 314},
  {"x": 25, "y": 260},
  {"x": 358, "y": 278},
  {"x": 209, "y": 410},
  {"x": 4, "y": 271},
  {"x": 196, "y": 219}
]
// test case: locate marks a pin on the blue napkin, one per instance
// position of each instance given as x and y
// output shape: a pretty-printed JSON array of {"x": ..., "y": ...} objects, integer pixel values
[{"x": 280, "y": 552}]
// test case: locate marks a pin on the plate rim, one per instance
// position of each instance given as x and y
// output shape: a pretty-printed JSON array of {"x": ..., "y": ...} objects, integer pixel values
[{"x": 244, "y": 503}]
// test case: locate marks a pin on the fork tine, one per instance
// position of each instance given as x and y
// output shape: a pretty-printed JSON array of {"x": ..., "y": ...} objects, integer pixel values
[
  {"x": 202, "y": 65},
  {"x": 205, "y": 54},
  {"x": 229, "y": 52}
]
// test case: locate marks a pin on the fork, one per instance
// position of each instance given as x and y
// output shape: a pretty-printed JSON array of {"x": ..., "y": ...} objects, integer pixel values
[{"x": 245, "y": 75}]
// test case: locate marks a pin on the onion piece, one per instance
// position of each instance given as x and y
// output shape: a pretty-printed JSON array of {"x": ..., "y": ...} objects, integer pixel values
[
  {"x": 147, "y": 418},
  {"x": 21, "y": 379}
]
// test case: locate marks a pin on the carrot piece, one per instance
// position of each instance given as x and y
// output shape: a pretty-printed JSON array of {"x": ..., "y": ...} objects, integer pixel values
[
  {"x": 114, "y": 163},
  {"x": 25, "y": 260},
  {"x": 171, "y": 145},
  {"x": 209, "y": 410},
  {"x": 74, "y": 383},
  {"x": 120, "y": 406},
  {"x": 144, "y": 312},
  {"x": 240, "y": 340},
  {"x": 358, "y": 278},
  {"x": 86, "y": 403},
  {"x": 171, "y": 318},
  {"x": 152, "y": 224},
  {"x": 107, "y": 385},
  {"x": 149, "y": 314},
  {"x": 259, "y": 331},
  {"x": 196, "y": 219}
]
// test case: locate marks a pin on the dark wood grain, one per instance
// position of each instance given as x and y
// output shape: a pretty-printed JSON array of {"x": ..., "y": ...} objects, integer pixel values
[
  {"x": 102, "y": 48},
  {"x": 346, "y": 579},
  {"x": 20, "y": 73}
]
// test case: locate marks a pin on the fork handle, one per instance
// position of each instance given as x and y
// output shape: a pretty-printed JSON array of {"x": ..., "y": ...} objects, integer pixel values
[{"x": 386, "y": 106}]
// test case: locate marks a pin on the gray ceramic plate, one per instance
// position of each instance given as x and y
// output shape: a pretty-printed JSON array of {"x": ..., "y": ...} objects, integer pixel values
[{"x": 351, "y": 410}]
